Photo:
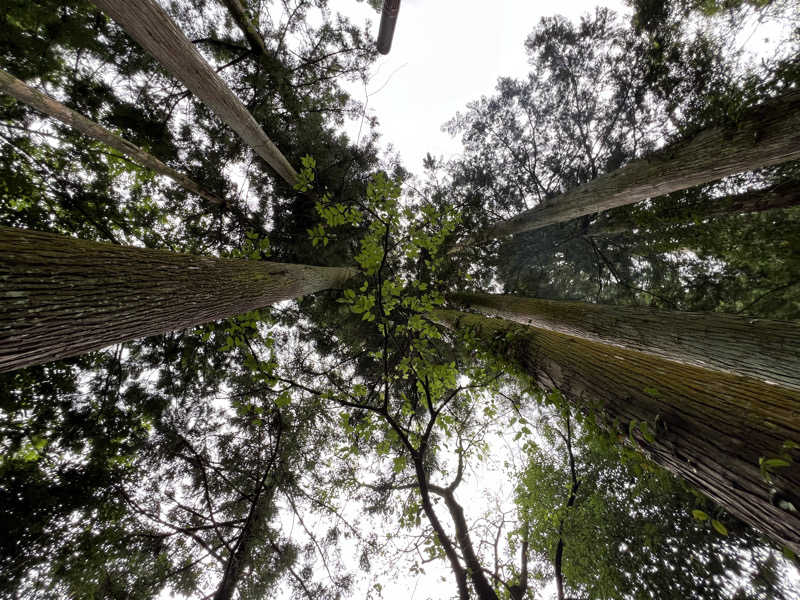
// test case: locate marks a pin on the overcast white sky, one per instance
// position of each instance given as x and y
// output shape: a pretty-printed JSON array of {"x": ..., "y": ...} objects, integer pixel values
[{"x": 445, "y": 54}]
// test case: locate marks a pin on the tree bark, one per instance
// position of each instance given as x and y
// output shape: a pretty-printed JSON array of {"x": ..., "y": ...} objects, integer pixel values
[
  {"x": 147, "y": 23},
  {"x": 782, "y": 195},
  {"x": 759, "y": 348},
  {"x": 711, "y": 428},
  {"x": 61, "y": 296},
  {"x": 244, "y": 23},
  {"x": 481, "y": 584},
  {"x": 43, "y": 103},
  {"x": 765, "y": 135}
]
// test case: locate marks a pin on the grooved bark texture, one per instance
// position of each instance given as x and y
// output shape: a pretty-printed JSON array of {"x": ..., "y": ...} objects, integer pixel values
[
  {"x": 783, "y": 195},
  {"x": 767, "y": 350},
  {"x": 61, "y": 296},
  {"x": 765, "y": 135},
  {"x": 147, "y": 23},
  {"x": 710, "y": 427},
  {"x": 41, "y": 102}
]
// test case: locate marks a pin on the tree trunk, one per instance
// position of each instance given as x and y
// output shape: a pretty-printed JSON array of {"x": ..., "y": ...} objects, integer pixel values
[
  {"x": 759, "y": 348},
  {"x": 782, "y": 195},
  {"x": 765, "y": 135},
  {"x": 41, "y": 102},
  {"x": 252, "y": 533},
  {"x": 711, "y": 428},
  {"x": 147, "y": 23},
  {"x": 244, "y": 23},
  {"x": 61, "y": 296}
]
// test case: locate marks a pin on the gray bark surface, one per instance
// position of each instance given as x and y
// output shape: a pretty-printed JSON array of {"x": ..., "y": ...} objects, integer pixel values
[
  {"x": 765, "y": 135},
  {"x": 43, "y": 103},
  {"x": 147, "y": 23},
  {"x": 61, "y": 296},
  {"x": 711, "y": 428},
  {"x": 759, "y": 348}
]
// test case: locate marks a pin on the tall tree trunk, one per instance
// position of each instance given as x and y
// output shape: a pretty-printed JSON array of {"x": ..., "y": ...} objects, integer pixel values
[
  {"x": 766, "y": 350},
  {"x": 147, "y": 23},
  {"x": 711, "y": 428},
  {"x": 61, "y": 296},
  {"x": 782, "y": 195},
  {"x": 765, "y": 135},
  {"x": 41, "y": 102}
]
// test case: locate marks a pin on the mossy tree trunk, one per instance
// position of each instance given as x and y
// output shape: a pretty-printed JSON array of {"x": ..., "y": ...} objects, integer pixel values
[
  {"x": 147, "y": 23},
  {"x": 710, "y": 427},
  {"x": 61, "y": 296},
  {"x": 764, "y": 135},
  {"x": 766, "y": 350}
]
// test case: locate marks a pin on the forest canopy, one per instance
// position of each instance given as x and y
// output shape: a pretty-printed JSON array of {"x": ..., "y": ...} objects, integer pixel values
[{"x": 244, "y": 355}]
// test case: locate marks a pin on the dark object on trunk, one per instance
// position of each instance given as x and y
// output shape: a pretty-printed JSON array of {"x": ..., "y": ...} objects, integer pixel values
[{"x": 388, "y": 21}]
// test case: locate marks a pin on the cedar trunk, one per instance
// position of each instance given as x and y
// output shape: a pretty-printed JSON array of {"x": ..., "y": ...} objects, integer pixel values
[
  {"x": 765, "y": 135},
  {"x": 759, "y": 348},
  {"x": 41, "y": 102},
  {"x": 61, "y": 296},
  {"x": 147, "y": 23},
  {"x": 783, "y": 195},
  {"x": 711, "y": 428}
]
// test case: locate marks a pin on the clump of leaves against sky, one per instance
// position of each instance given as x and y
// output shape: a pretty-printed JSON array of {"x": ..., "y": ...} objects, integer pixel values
[{"x": 338, "y": 446}]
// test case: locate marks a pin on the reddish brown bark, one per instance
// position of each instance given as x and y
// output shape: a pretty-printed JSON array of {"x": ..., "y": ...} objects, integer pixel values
[{"x": 711, "y": 428}]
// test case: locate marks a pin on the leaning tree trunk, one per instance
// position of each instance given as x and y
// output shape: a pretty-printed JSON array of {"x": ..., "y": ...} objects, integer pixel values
[
  {"x": 711, "y": 428},
  {"x": 765, "y": 135},
  {"x": 759, "y": 348},
  {"x": 41, "y": 102},
  {"x": 61, "y": 296},
  {"x": 782, "y": 195},
  {"x": 147, "y": 23}
]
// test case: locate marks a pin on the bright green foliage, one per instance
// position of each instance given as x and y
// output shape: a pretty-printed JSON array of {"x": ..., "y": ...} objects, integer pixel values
[{"x": 630, "y": 532}]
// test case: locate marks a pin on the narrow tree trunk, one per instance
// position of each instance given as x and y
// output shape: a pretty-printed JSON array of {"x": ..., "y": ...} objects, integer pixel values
[
  {"x": 782, "y": 195},
  {"x": 251, "y": 534},
  {"x": 765, "y": 135},
  {"x": 711, "y": 428},
  {"x": 147, "y": 23},
  {"x": 481, "y": 584},
  {"x": 41, "y": 102},
  {"x": 61, "y": 296},
  {"x": 759, "y": 348}
]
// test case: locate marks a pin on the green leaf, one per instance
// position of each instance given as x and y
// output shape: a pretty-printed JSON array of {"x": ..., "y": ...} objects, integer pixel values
[
  {"x": 699, "y": 515},
  {"x": 720, "y": 528},
  {"x": 776, "y": 463}
]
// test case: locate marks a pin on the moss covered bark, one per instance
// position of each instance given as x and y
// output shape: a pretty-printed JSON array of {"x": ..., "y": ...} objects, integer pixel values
[
  {"x": 61, "y": 296},
  {"x": 711, "y": 428},
  {"x": 760, "y": 348}
]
